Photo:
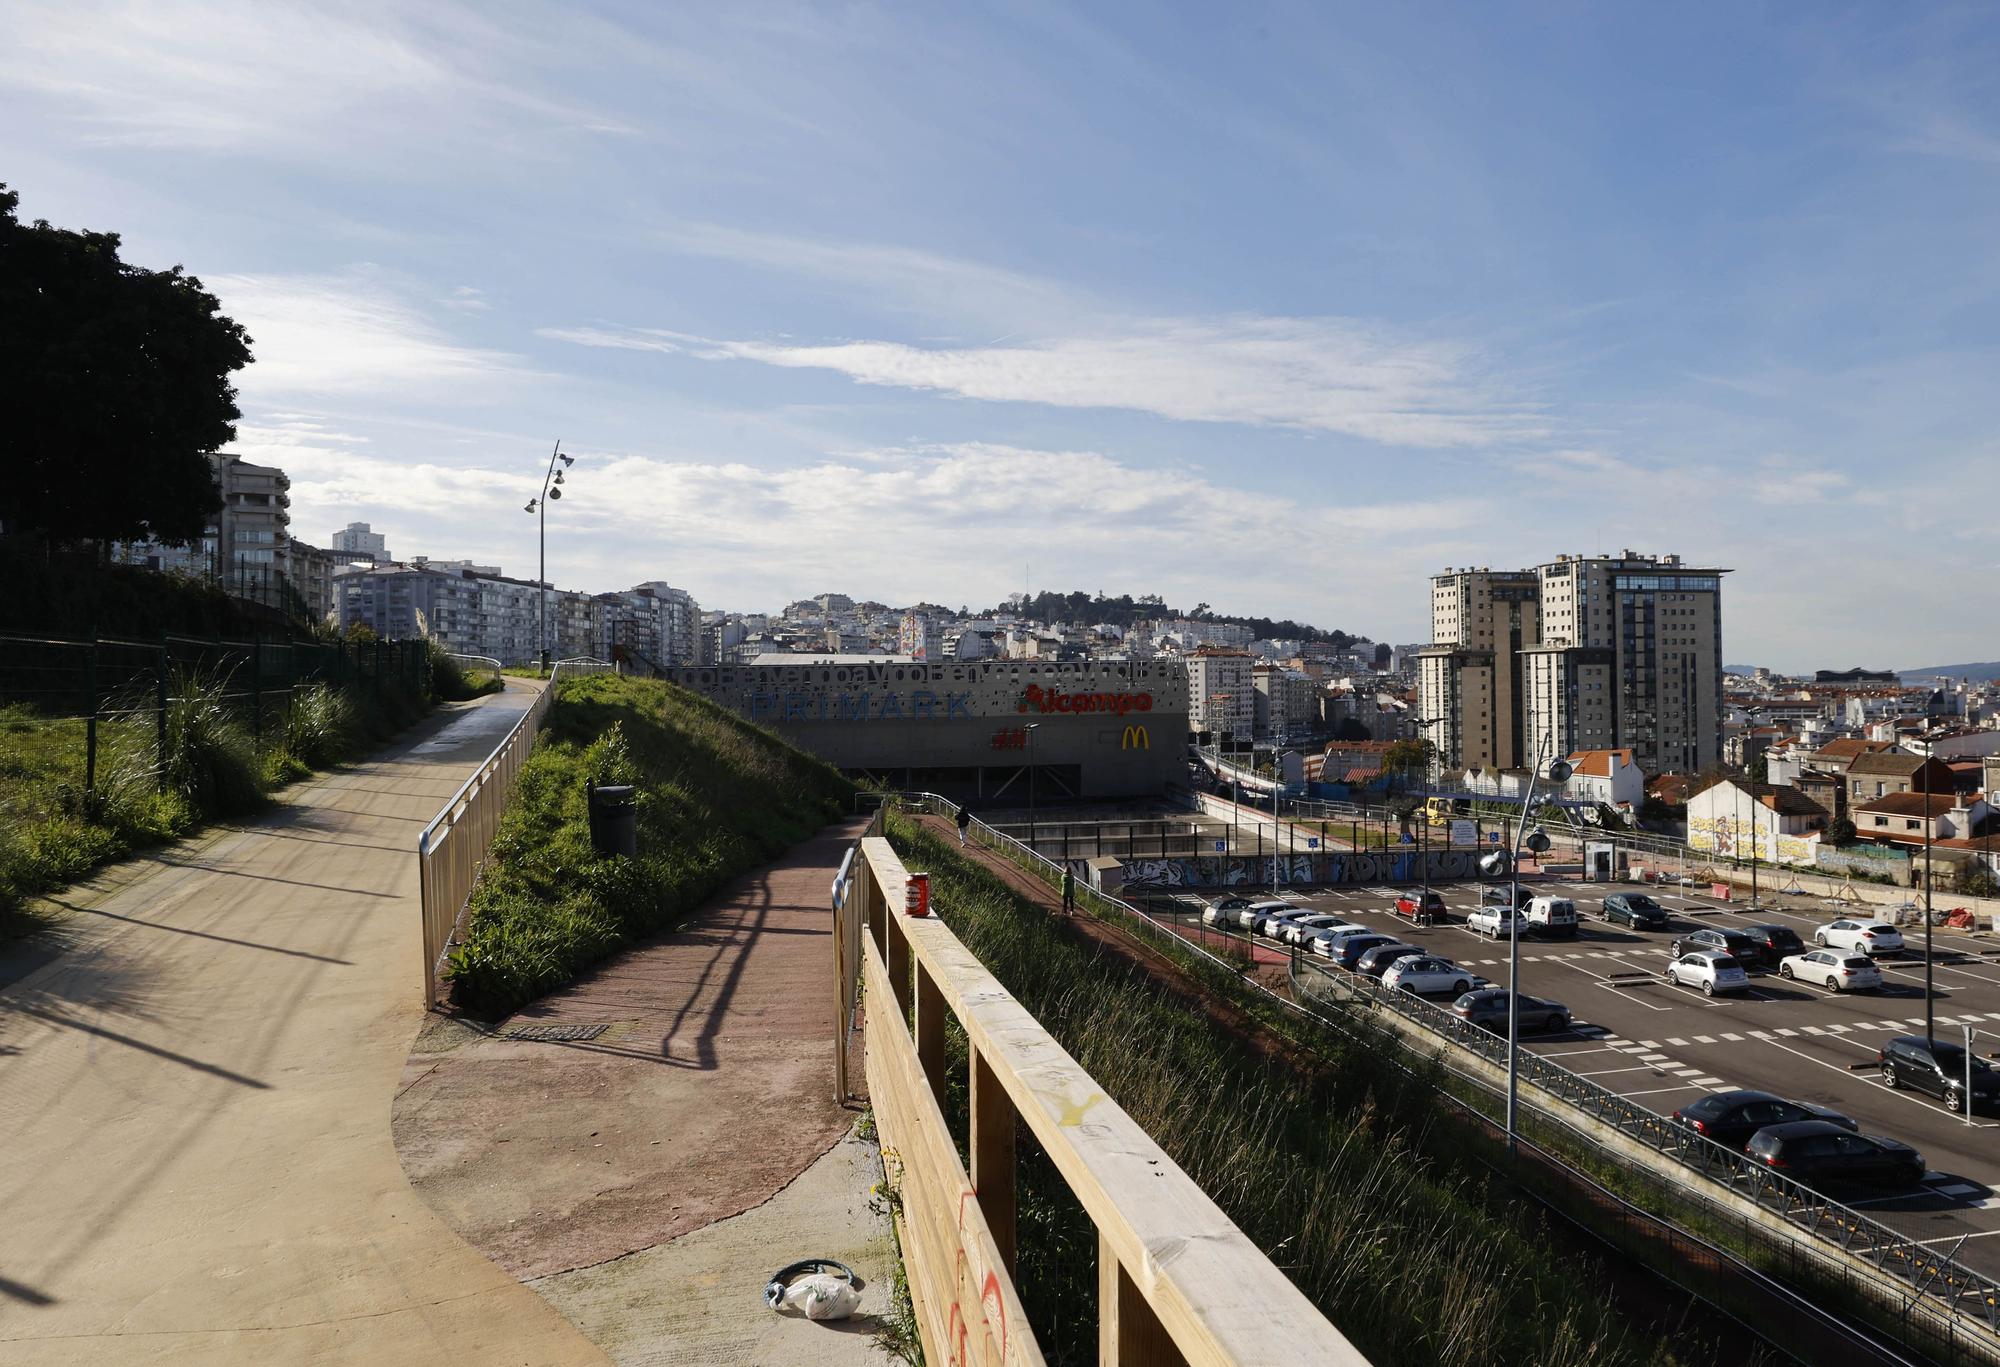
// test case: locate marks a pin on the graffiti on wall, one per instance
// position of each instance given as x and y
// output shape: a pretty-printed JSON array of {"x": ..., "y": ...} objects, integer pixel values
[{"x": 1338, "y": 866}]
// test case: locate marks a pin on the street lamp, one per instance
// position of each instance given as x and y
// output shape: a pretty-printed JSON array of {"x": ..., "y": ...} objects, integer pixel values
[
  {"x": 1031, "y": 728},
  {"x": 552, "y": 479},
  {"x": 1509, "y": 861}
]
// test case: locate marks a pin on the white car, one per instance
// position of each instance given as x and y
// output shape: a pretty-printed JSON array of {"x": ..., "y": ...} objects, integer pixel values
[
  {"x": 1837, "y": 970},
  {"x": 1299, "y": 929},
  {"x": 1495, "y": 922},
  {"x": 1864, "y": 937},
  {"x": 1222, "y": 911},
  {"x": 1422, "y": 974},
  {"x": 1249, "y": 916},
  {"x": 1325, "y": 941},
  {"x": 1273, "y": 923},
  {"x": 1712, "y": 970}
]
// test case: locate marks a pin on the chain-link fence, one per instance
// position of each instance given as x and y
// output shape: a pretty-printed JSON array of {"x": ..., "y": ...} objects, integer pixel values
[{"x": 133, "y": 681}]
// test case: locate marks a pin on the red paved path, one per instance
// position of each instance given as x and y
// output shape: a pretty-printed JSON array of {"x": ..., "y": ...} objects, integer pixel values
[{"x": 712, "y": 1089}]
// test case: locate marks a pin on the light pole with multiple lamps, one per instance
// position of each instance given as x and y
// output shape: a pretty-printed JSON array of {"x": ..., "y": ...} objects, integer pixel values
[
  {"x": 1031, "y": 728},
  {"x": 1509, "y": 861},
  {"x": 552, "y": 479}
]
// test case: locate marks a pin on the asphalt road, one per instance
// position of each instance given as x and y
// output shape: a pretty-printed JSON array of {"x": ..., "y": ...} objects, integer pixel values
[{"x": 1664, "y": 1046}]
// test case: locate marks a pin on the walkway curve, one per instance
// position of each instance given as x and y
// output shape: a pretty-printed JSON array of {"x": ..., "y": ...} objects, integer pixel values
[{"x": 195, "y": 1157}]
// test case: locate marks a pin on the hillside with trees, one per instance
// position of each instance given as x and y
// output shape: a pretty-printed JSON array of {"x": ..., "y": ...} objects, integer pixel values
[{"x": 1092, "y": 609}]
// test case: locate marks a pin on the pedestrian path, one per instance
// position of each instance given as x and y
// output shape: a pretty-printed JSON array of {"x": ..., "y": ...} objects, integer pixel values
[{"x": 195, "y": 1160}]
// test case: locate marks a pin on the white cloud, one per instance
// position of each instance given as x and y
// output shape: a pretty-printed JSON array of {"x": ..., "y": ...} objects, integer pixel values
[
  {"x": 1317, "y": 373},
  {"x": 466, "y": 299},
  {"x": 345, "y": 335}
]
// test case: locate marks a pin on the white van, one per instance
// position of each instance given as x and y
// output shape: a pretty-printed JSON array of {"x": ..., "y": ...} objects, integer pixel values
[{"x": 1551, "y": 916}]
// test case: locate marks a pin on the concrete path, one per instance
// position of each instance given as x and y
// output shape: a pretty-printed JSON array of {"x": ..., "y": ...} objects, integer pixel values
[
  {"x": 195, "y": 1154},
  {"x": 615, "y": 1170}
]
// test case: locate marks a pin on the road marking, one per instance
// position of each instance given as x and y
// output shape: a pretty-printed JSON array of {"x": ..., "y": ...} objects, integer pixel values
[
  {"x": 1710, "y": 1082},
  {"x": 1788, "y": 1034},
  {"x": 1685, "y": 1072},
  {"x": 1760, "y": 1034},
  {"x": 1734, "y": 1039},
  {"x": 1571, "y": 1053},
  {"x": 1838, "y": 1029},
  {"x": 1684, "y": 1087},
  {"x": 1653, "y": 1058},
  {"x": 1678, "y": 1043},
  {"x": 1704, "y": 1039},
  {"x": 1605, "y": 1072},
  {"x": 1870, "y": 1082},
  {"x": 1649, "y": 1044}
]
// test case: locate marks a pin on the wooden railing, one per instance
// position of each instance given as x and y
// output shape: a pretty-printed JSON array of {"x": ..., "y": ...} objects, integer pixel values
[
  {"x": 451, "y": 851},
  {"x": 1177, "y": 1281}
]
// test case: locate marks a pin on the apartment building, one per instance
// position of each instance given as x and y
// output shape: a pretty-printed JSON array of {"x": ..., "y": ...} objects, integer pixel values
[
  {"x": 1469, "y": 676},
  {"x": 465, "y": 612},
  {"x": 653, "y": 620},
  {"x": 1285, "y": 704},
  {"x": 1221, "y": 699},
  {"x": 359, "y": 541},
  {"x": 1581, "y": 653}
]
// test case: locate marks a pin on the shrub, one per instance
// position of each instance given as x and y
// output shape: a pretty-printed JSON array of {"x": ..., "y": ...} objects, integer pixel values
[
  {"x": 453, "y": 681},
  {"x": 207, "y": 755},
  {"x": 321, "y": 727}
]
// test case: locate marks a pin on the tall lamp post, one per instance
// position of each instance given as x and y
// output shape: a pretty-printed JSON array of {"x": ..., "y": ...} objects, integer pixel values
[
  {"x": 1031, "y": 728},
  {"x": 1509, "y": 861},
  {"x": 1423, "y": 725},
  {"x": 552, "y": 479},
  {"x": 1930, "y": 1002}
]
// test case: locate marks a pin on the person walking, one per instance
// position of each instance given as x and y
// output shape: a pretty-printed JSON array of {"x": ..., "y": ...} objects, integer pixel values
[
  {"x": 964, "y": 820},
  {"x": 1069, "y": 893}
]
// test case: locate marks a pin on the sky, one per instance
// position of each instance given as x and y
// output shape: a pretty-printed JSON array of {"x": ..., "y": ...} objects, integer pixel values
[{"x": 1283, "y": 308}]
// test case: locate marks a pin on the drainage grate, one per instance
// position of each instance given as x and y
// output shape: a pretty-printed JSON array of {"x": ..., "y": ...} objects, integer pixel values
[{"x": 556, "y": 1034}]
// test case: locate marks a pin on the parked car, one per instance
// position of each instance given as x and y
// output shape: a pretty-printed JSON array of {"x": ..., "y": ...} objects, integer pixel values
[
  {"x": 1551, "y": 916},
  {"x": 1326, "y": 942},
  {"x": 1864, "y": 937},
  {"x": 1251, "y": 916},
  {"x": 1937, "y": 1067},
  {"x": 1776, "y": 943},
  {"x": 1498, "y": 894},
  {"x": 1222, "y": 911},
  {"x": 1423, "y": 908},
  {"x": 1296, "y": 931},
  {"x": 1815, "y": 1151},
  {"x": 1426, "y": 975},
  {"x": 1635, "y": 909},
  {"x": 1273, "y": 922},
  {"x": 1377, "y": 959},
  {"x": 1734, "y": 943},
  {"x": 1709, "y": 969},
  {"x": 1495, "y": 922},
  {"x": 1732, "y": 1117},
  {"x": 1837, "y": 970},
  {"x": 1352, "y": 947},
  {"x": 1487, "y": 1007}
]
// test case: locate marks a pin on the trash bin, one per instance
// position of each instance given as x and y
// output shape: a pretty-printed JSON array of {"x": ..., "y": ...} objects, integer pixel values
[{"x": 614, "y": 819}]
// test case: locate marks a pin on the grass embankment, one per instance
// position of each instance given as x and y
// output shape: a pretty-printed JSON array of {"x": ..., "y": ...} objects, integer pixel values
[
  {"x": 54, "y": 830},
  {"x": 717, "y": 797},
  {"x": 1348, "y": 1178}
]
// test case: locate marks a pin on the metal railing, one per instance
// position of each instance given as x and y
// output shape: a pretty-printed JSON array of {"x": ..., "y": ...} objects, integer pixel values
[
  {"x": 1944, "y": 1302},
  {"x": 1178, "y": 1282},
  {"x": 452, "y": 849}
]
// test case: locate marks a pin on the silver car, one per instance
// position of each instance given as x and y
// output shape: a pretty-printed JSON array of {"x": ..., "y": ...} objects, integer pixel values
[{"x": 1834, "y": 969}]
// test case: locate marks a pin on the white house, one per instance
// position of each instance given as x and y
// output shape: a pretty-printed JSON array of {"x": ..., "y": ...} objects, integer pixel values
[
  {"x": 1606, "y": 776},
  {"x": 1779, "y": 825}
]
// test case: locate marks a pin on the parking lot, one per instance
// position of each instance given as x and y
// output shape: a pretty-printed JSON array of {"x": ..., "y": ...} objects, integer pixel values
[{"x": 1664, "y": 1046}]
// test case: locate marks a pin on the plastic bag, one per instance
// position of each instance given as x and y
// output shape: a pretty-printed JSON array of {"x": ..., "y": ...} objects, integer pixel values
[{"x": 822, "y": 1297}]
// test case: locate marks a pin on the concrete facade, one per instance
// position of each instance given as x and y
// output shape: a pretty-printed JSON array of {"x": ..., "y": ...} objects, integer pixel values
[{"x": 1111, "y": 729}]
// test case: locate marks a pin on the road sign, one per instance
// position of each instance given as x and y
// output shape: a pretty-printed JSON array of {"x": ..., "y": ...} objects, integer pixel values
[
  {"x": 1312, "y": 842},
  {"x": 1221, "y": 845},
  {"x": 1493, "y": 837},
  {"x": 1407, "y": 839}
]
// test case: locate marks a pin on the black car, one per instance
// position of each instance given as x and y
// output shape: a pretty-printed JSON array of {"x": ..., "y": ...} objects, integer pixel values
[
  {"x": 1488, "y": 1007},
  {"x": 1635, "y": 909},
  {"x": 1738, "y": 946},
  {"x": 1375, "y": 960},
  {"x": 1814, "y": 1151},
  {"x": 1732, "y": 1117},
  {"x": 1498, "y": 894},
  {"x": 1937, "y": 1067},
  {"x": 1348, "y": 953},
  {"x": 1777, "y": 943}
]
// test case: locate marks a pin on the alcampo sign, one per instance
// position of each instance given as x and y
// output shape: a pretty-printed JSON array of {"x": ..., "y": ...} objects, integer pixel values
[{"x": 1035, "y": 698}]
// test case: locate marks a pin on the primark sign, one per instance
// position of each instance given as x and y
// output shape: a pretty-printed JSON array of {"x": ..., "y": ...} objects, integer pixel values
[{"x": 803, "y": 705}]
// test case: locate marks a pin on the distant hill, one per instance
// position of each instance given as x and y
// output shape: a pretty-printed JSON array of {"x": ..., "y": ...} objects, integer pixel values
[
  {"x": 1741, "y": 669},
  {"x": 1988, "y": 670}
]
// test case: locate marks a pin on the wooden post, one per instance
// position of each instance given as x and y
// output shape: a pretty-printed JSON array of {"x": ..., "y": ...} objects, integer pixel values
[
  {"x": 992, "y": 1150},
  {"x": 1128, "y": 1332},
  {"x": 898, "y": 958},
  {"x": 929, "y": 1034},
  {"x": 160, "y": 714},
  {"x": 90, "y": 724}
]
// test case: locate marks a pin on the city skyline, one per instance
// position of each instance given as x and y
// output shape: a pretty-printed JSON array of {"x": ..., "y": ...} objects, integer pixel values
[{"x": 1341, "y": 302}]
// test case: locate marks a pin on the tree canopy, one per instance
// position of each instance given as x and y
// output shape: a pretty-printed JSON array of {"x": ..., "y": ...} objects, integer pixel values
[
  {"x": 115, "y": 386},
  {"x": 1124, "y": 610}
]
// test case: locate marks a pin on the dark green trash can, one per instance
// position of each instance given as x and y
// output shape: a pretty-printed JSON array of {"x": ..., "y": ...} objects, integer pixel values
[{"x": 614, "y": 819}]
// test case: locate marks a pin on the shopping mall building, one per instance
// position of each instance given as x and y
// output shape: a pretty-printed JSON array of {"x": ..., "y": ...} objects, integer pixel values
[{"x": 973, "y": 730}]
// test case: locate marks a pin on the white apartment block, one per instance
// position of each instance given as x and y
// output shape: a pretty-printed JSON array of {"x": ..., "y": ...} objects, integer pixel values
[
  {"x": 1221, "y": 699},
  {"x": 1582, "y": 653},
  {"x": 1286, "y": 704},
  {"x": 653, "y": 620},
  {"x": 359, "y": 541}
]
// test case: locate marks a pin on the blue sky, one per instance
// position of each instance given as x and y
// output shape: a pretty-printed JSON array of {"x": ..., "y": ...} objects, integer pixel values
[{"x": 1282, "y": 308}]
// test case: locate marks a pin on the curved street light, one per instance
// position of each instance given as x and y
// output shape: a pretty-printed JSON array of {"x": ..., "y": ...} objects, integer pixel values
[{"x": 552, "y": 479}]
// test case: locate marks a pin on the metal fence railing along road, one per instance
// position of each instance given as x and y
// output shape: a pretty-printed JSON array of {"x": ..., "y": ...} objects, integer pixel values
[
  {"x": 452, "y": 849},
  {"x": 1945, "y": 1303},
  {"x": 114, "y": 681}
]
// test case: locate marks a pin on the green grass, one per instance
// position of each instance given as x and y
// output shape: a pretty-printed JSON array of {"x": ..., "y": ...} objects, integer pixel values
[
  {"x": 54, "y": 830},
  {"x": 1352, "y": 1179},
  {"x": 717, "y": 797}
]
